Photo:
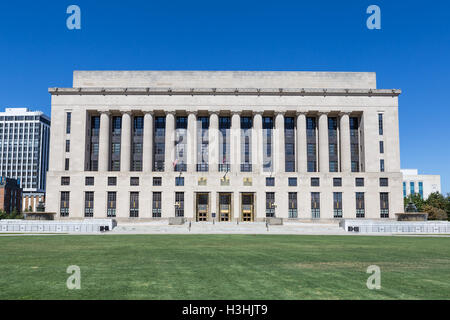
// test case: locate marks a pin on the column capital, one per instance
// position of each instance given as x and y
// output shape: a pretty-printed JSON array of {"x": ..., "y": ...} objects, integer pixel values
[
  {"x": 193, "y": 112},
  {"x": 147, "y": 112},
  {"x": 238, "y": 113},
  {"x": 128, "y": 112},
  {"x": 170, "y": 112},
  {"x": 324, "y": 112},
  {"x": 277, "y": 113},
  {"x": 107, "y": 112},
  {"x": 299, "y": 113},
  {"x": 344, "y": 113},
  {"x": 258, "y": 112},
  {"x": 215, "y": 112}
]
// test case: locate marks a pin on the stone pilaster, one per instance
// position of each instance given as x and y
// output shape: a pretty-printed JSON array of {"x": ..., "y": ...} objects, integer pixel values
[
  {"x": 302, "y": 152},
  {"x": 257, "y": 141},
  {"x": 324, "y": 164},
  {"x": 213, "y": 145},
  {"x": 278, "y": 152},
  {"x": 103, "y": 148},
  {"x": 345, "y": 142},
  {"x": 169, "y": 142},
  {"x": 125, "y": 142},
  {"x": 192, "y": 142},
  {"x": 235, "y": 143},
  {"x": 147, "y": 156}
]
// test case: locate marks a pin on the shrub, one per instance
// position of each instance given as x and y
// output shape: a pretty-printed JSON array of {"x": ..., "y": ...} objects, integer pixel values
[{"x": 435, "y": 213}]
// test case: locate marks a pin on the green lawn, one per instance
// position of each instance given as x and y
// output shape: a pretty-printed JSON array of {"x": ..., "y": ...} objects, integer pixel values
[{"x": 224, "y": 267}]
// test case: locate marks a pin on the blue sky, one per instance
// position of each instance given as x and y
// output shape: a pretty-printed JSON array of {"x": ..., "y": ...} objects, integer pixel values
[{"x": 410, "y": 52}]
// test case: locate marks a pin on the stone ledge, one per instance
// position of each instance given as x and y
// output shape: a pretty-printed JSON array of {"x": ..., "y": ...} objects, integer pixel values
[{"x": 226, "y": 91}]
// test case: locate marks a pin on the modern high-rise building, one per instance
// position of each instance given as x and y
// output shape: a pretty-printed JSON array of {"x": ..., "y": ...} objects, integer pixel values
[
  {"x": 24, "y": 151},
  {"x": 224, "y": 145},
  {"x": 421, "y": 184}
]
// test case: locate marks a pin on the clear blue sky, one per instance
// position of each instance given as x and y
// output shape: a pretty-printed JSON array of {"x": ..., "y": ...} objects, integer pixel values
[{"x": 410, "y": 52}]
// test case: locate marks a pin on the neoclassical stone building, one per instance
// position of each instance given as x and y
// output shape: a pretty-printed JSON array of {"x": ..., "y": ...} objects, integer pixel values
[{"x": 224, "y": 145}]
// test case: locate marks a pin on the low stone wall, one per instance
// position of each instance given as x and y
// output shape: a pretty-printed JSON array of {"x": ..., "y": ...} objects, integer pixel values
[
  {"x": 379, "y": 226},
  {"x": 69, "y": 226}
]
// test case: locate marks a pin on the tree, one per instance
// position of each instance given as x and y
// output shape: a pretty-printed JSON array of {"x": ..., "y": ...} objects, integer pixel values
[
  {"x": 436, "y": 200},
  {"x": 435, "y": 213}
]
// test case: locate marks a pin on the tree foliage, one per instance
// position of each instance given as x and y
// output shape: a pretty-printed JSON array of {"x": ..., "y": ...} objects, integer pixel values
[{"x": 436, "y": 205}]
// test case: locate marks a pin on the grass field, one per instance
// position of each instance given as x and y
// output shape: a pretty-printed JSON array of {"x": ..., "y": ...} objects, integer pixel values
[{"x": 224, "y": 267}]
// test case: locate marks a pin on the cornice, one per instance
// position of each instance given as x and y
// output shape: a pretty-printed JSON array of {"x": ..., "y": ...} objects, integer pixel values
[{"x": 226, "y": 91}]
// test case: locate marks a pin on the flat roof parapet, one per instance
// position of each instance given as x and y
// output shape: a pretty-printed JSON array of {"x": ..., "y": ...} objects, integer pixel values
[{"x": 225, "y": 79}]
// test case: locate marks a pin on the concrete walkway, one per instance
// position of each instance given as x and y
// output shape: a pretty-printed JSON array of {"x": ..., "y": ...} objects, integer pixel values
[{"x": 227, "y": 228}]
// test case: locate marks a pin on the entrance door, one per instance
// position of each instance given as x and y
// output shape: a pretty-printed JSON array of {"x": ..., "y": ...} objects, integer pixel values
[
  {"x": 247, "y": 206},
  {"x": 224, "y": 206},
  {"x": 202, "y": 206}
]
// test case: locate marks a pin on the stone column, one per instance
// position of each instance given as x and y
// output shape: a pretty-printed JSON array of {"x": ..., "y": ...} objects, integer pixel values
[
  {"x": 302, "y": 152},
  {"x": 235, "y": 143},
  {"x": 192, "y": 142},
  {"x": 345, "y": 142},
  {"x": 213, "y": 145},
  {"x": 125, "y": 142},
  {"x": 278, "y": 152},
  {"x": 147, "y": 156},
  {"x": 103, "y": 141},
  {"x": 324, "y": 164},
  {"x": 257, "y": 141},
  {"x": 213, "y": 204},
  {"x": 169, "y": 142}
]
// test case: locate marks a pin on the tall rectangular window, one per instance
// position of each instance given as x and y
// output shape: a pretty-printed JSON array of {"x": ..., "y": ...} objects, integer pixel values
[
  {"x": 337, "y": 204},
  {"x": 311, "y": 141},
  {"x": 421, "y": 189},
  {"x": 315, "y": 205},
  {"x": 92, "y": 144},
  {"x": 64, "y": 204},
  {"x": 380, "y": 124},
  {"x": 137, "y": 141},
  {"x": 68, "y": 122},
  {"x": 246, "y": 144},
  {"x": 67, "y": 145},
  {"x": 384, "y": 205},
  {"x": 360, "y": 206},
  {"x": 179, "y": 204},
  {"x": 224, "y": 144},
  {"x": 267, "y": 144},
  {"x": 333, "y": 144},
  {"x": 112, "y": 204},
  {"x": 292, "y": 205},
  {"x": 270, "y": 204},
  {"x": 289, "y": 144},
  {"x": 67, "y": 164},
  {"x": 411, "y": 188},
  {"x": 381, "y": 165},
  {"x": 115, "y": 143},
  {"x": 202, "y": 143},
  {"x": 404, "y": 189},
  {"x": 89, "y": 204},
  {"x": 180, "y": 144},
  {"x": 354, "y": 143},
  {"x": 156, "y": 205},
  {"x": 381, "y": 146},
  {"x": 159, "y": 136},
  {"x": 134, "y": 204}
]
